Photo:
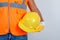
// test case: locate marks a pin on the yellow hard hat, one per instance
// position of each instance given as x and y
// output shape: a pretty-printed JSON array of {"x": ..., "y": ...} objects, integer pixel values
[{"x": 30, "y": 22}]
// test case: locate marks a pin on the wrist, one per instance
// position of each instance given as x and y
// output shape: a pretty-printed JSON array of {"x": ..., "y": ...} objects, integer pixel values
[{"x": 42, "y": 23}]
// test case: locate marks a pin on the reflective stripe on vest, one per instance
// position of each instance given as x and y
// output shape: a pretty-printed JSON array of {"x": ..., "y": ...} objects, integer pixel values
[
  {"x": 18, "y": 5},
  {"x": 3, "y": 4},
  {"x": 15, "y": 5}
]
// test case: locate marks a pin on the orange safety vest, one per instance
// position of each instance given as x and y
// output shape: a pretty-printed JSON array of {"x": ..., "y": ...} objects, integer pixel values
[{"x": 11, "y": 11}]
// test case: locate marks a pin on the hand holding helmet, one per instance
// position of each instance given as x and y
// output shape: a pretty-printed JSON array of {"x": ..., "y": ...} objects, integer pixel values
[{"x": 31, "y": 22}]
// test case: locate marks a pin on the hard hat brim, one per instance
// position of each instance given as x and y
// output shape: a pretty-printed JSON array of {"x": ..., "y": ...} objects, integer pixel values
[{"x": 27, "y": 29}]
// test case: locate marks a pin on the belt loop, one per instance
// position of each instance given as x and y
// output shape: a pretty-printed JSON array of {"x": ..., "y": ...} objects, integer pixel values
[{"x": 9, "y": 36}]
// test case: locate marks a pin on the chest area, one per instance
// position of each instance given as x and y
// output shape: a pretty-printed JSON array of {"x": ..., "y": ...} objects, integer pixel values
[{"x": 14, "y": 1}]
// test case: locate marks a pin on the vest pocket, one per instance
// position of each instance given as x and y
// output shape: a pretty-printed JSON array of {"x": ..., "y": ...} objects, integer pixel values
[{"x": 21, "y": 12}]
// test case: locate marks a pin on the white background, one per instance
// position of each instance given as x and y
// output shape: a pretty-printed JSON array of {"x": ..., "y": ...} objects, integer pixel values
[{"x": 50, "y": 10}]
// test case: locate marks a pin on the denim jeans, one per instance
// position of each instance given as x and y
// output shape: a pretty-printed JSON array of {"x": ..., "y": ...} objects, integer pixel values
[{"x": 11, "y": 37}]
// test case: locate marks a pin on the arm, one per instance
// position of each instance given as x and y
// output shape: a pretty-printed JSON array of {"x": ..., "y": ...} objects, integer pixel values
[{"x": 32, "y": 6}]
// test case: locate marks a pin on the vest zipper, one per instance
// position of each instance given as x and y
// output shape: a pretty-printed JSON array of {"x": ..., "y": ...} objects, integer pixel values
[{"x": 8, "y": 17}]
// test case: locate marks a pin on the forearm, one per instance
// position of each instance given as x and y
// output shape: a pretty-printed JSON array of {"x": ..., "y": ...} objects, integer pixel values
[
  {"x": 38, "y": 11},
  {"x": 34, "y": 8}
]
